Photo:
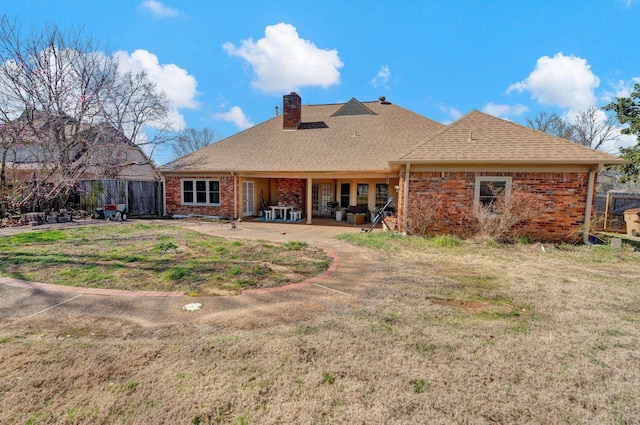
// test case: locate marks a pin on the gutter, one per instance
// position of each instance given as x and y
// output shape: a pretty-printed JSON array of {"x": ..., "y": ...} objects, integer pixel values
[
  {"x": 589, "y": 203},
  {"x": 613, "y": 160}
]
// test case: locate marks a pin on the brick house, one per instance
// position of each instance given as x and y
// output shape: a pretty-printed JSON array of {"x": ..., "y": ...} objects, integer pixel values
[
  {"x": 319, "y": 157},
  {"x": 49, "y": 150}
]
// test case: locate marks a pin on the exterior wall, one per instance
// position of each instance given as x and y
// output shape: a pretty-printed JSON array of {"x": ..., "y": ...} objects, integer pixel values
[
  {"x": 564, "y": 196},
  {"x": 291, "y": 192},
  {"x": 261, "y": 186},
  {"x": 140, "y": 169},
  {"x": 173, "y": 197}
]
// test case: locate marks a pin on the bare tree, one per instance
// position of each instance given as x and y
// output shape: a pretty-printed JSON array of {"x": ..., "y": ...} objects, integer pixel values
[
  {"x": 592, "y": 128},
  {"x": 65, "y": 109},
  {"x": 191, "y": 140},
  {"x": 552, "y": 124}
]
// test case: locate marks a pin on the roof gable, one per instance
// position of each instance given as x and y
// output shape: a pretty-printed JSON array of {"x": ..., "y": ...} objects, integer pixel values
[
  {"x": 481, "y": 138},
  {"x": 353, "y": 107}
]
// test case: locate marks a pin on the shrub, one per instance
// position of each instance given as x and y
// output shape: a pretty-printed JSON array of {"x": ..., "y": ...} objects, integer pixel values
[
  {"x": 504, "y": 219},
  {"x": 425, "y": 213}
]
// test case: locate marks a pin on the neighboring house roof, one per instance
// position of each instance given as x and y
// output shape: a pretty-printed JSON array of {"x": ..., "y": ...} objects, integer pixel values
[
  {"x": 478, "y": 138},
  {"x": 99, "y": 149},
  {"x": 133, "y": 165},
  {"x": 353, "y": 136}
]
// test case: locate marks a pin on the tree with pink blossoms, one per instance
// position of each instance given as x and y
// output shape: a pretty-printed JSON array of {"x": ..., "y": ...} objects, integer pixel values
[{"x": 67, "y": 112}]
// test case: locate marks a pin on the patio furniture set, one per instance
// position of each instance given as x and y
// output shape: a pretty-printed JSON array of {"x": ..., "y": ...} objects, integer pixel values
[{"x": 280, "y": 212}]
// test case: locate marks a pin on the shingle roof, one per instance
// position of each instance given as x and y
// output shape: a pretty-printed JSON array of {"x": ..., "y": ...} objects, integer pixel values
[
  {"x": 360, "y": 142},
  {"x": 331, "y": 141},
  {"x": 478, "y": 138}
]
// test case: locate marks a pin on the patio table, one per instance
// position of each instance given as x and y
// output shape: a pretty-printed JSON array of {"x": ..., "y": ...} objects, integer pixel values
[{"x": 280, "y": 210}]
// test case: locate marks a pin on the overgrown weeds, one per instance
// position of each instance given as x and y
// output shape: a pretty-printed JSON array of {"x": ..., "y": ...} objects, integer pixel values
[
  {"x": 151, "y": 257},
  {"x": 425, "y": 214},
  {"x": 505, "y": 218}
]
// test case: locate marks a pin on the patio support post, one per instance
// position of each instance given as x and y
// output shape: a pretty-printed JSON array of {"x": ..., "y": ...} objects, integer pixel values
[
  {"x": 235, "y": 196},
  {"x": 309, "y": 199},
  {"x": 163, "y": 181},
  {"x": 405, "y": 199},
  {"x": 353, "y": 193},
  {"x": 589, "y": 203}
]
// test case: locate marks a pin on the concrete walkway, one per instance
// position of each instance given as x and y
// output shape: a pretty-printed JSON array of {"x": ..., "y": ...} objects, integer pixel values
[{"x": 352, "y": 270}]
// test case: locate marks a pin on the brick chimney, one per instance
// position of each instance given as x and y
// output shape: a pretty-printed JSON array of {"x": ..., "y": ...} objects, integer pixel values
[{"x": 291, "y": 111}]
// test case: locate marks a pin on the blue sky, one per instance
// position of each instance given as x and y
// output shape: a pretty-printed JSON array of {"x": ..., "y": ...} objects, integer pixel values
[{"x": 226, "y": 65}]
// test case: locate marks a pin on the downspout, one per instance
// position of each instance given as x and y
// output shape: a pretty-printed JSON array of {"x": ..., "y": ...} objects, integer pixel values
[
  {"x": 587, "y": 212},
  {"x": 405, "y": 199},
  {"x": 235, "y": 195}
]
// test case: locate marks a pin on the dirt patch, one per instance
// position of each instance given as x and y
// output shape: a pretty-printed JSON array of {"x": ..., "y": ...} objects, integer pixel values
[{"x": 475, "y": 307}]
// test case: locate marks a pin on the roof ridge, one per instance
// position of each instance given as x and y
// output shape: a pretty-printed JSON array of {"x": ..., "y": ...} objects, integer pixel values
[
  {"x": 544, "y": 134},
  {"x": 434, "y": 135}
]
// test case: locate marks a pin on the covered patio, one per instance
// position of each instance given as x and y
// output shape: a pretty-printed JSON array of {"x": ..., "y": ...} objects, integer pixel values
[{"x": 309, "y": 198}]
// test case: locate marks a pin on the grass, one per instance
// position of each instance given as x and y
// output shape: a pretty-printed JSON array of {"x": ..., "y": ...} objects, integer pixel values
[
  {"x": 469, "y": 333},
  {"x": 152, "y": 257}
]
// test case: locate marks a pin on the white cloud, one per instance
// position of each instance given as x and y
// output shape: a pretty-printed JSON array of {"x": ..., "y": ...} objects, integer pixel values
[
  {"x": 452, "y": 112},
  {"x": 235, "y": 116},
  {"x": 564, "y": 81},
  {"x": 623, "y": 141},
  {"x": 283, "y": 62},
  {"x": 504, "y": 110},
  {"x": 175, "y": 82},
  {"x": 382, "y": 79},
  {"x": 620, "y": 88},
  {"x": 158, "y": 9}
]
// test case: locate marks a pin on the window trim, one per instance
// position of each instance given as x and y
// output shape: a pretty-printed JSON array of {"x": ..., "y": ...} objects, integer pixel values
[
  {"x": 195, "y": 192},
  {"x": 481, "y": 179}
]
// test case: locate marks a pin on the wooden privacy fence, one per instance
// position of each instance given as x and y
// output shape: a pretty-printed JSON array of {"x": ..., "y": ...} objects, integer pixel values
[
  {"x": 610, "y": 208},
  {"x": 142, "y": 198}
]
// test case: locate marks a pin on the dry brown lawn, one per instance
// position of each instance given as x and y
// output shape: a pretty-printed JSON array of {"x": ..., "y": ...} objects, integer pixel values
[{"x": 472, "y": 334}]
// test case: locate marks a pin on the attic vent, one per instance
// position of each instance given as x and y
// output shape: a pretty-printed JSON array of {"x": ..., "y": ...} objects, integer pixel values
[{"x": 353, "y": 107}]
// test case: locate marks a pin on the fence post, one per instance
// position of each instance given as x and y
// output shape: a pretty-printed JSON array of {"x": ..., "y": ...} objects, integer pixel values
[{"x": 606, "y": 211}]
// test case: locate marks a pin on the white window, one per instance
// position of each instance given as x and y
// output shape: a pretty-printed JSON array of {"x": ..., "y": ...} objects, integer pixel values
[
  {"x": 362, "y": 194},
  {"x": 201, "y": 192},
  {"x": 382, "y": 194},
  {"x": 488, "y": 188}
]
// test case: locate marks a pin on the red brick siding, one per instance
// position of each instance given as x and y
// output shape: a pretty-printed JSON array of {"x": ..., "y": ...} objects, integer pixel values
[
  {"x": 564, "y": 196},
  {"x": 173, "y": 190},
  {"x": 291, "y": 192},
  {"x": 292, "y": 111}
]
